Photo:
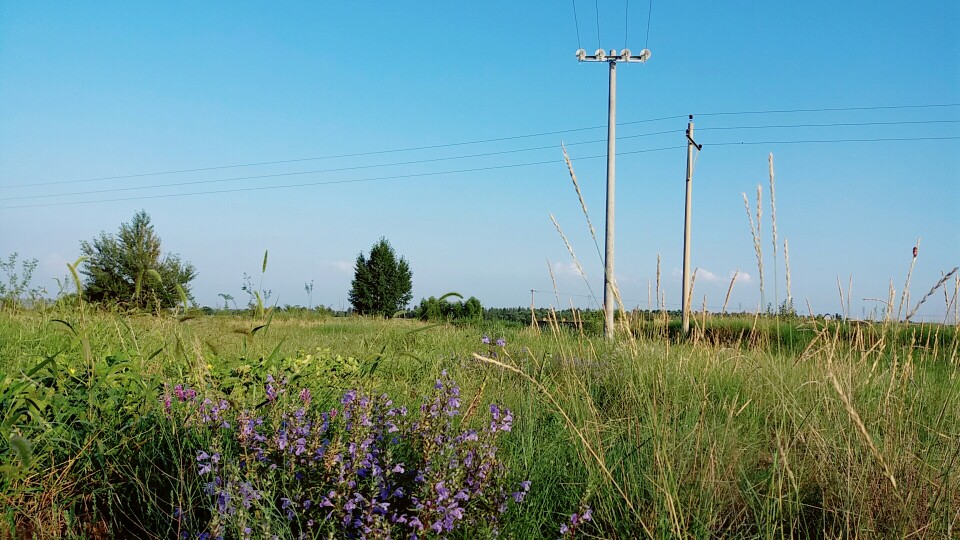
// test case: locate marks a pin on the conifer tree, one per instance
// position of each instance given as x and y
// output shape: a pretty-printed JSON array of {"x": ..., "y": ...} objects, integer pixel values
[{"x": 382, "y": 284}]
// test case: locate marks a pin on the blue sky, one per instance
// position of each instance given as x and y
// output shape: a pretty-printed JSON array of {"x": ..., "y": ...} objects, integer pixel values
[{"x": 92, "y": 90}]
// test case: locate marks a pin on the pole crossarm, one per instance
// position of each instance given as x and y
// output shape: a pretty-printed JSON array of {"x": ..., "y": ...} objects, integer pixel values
[{"x": 601, "y": 56}]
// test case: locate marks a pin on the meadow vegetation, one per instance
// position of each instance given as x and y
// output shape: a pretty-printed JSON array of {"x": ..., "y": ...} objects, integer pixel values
[
  {"x": 456, "y": 422},
  {"x": 171, "y": 426}
]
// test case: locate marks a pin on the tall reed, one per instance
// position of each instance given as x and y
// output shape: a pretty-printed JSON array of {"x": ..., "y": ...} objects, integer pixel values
[
  {"x": 773, "y": 231},
  {"x": 786, "y": 260},
  {"x": 573, "y": 256},
  {"x": 932, "y": 290},
  {"x": 755, "y": 234},
  {"x": 726, "y": 299},
  {"x": 905, "y": 295},
  {"x": 583, "y": 204}
]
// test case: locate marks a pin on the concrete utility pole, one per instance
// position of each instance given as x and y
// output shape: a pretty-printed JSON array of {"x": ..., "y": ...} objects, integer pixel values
[
  {"x": 687, "y": 215},
  {"x": 601, "y": 56}
]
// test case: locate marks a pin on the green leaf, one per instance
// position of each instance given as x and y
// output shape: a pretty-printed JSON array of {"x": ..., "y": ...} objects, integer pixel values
[
  {"x": 65, "y": 323},
  {"x": 276, "y": 351},
  {"x": 49, "y": 360},
  {"x": 23, "y": 449},
  {"x": 153, "y": 354},
  {"x": 449, "y": 294},
  {"x": 183, "y": 298}
]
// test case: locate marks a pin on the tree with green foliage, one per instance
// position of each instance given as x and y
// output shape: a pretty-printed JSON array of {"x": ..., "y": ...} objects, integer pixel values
[
  {"x": 382, "y": 283},
  {"x": 16, "y": 286},
  {"x": 439, "y": 309},
  {"x": 127, "y": 268}
]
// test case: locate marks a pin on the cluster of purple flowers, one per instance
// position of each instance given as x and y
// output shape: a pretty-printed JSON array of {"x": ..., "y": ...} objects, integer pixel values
[
  {"x": 180, "y": 392},
  {"x": 363, "y": 469},
  {"x": 577, "y": 519},
  {"x": 500, "y": 342}
]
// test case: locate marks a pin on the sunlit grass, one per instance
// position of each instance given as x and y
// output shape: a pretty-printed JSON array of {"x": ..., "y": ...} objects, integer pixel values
[{"x": 851, "y": 431}]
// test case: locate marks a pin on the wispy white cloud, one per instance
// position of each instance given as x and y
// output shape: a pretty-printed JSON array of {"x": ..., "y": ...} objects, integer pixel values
[
  {"x": 702, "y": 275},
  {"x": 566, "y": 269},
  {"x": 340, "y": 267},
  {"x": 744, "y": 277},
  {"x": 708, "y": 276}
]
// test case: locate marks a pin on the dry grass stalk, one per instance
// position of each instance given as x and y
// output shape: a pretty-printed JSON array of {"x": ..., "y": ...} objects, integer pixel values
[
  {"x": 475, "y": 402},
  {"x": 649, "y": 298},
  {"x": 946, "y": 295},
  {"x": 693, "y": 280},
  {"x": 533, "y": 311},
  {"x": 786, "y": 259},
  {"x": 726, "y": 299},
  {"x": 624, "y": 319},
  {"x": 905, "y": 295},
  {"x": 553, "y": 401},
  {"x": 759, "y": 238},
  {"x": 861, "y": 427},
  {"x": 773, "y": 222},
  {"x": 573, "y": 255},
  {"x": 577, "y": 321},
  {"x": 956, "y": 303},
  {"x": 840, "y": 290},
  {"x": 755, "y": 234},
  {"x": 891, "y": 296},
  {"x": 554, "y": 322},
  {"x": 583, "y": 204},
  {"x": 658, "y": 280},
  {"x": 940, "y": 283},
  {"x": 553, "y": 280},
  {"x": 773, "y": 206},
  {"x": 703, "y": 318},
  {"x": 849, "y": 293}
]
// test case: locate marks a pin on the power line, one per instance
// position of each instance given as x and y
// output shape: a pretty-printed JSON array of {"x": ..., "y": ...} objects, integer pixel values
[
  {"x": 576, "y": 23},
  {"x": 814, "y": 141},
  {"x": 450, "y": 158},
  {"x": 330, "y": 182},
  {"x": 515, "y": 137},
  {"x": 626, "y": 23},
  {"x": 439, "y": 173},
  {"x": 837, "y": 124},
  {"x": 319, "y": 171},
  {"x": 596, "y": 6},
  {"x": 831, "y": 109},
  {"x": 478, "y": 141},
  {"x": 468, "y": 156},
  {"x": 649, "y": 14},
  {"x": 337, "y": 156}
]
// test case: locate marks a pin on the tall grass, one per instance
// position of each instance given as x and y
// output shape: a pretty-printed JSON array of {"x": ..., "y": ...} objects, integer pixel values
[{"x": 662, "y": 440}]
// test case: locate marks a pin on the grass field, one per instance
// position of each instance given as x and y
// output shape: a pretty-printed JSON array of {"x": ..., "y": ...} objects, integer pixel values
[{"x": 834, "y": 431}]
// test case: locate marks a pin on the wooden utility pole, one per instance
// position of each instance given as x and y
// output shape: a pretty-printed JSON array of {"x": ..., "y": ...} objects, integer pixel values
[
  {"x": 687, "y": 215},
  {"x": 601, "y": 56},
  {"x": 533, "y": 313}
]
